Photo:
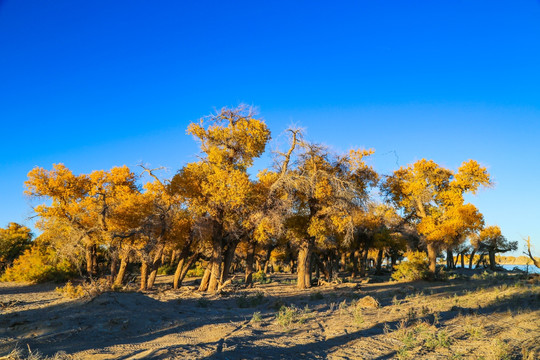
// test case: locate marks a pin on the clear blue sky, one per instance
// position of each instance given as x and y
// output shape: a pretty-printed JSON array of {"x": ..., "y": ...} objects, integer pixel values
[{"x": 96, "y": 84}]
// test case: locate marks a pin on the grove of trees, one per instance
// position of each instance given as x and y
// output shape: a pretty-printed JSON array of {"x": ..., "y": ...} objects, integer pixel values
[{"x": 314, "y": 212}]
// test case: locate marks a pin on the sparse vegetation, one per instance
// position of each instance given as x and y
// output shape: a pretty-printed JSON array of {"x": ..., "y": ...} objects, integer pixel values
[{"x": 287, "y": 316}]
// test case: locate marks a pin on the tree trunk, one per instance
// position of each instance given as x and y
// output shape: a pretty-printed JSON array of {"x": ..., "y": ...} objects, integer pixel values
[
  {"x": 228, "y": 260},
  {"x": 91, "y": 260},
  {"x": 121, "y": 272},
  {"x": 393, "y": 259},
  {"x": 185, "y": 270},
  {"x": 379, "y": 261},
  {"x": 363, "y": 262},
  {"x": 304, "y": 262},
  {"x": 479, "y": 261},
  {"x": 269, "y": 250},
  {"x": 471, "y": 258},
  {"x": 113, "y": 255},
  {"x": 250, "y": 256},
  {"x": 217, "y": 260},
  {"x": 174, "y": 253},
  {"x": 158, "y": 259},
  {"x": 492, "y": 262},
  {"x": 432, "y": 256},
  {"x": 182, "y": 269},
  {"x": 178, "y": 271},
  {"x": 354, "y": 261},
  {"x": 449, "y": 259},
  {"x": 335, "y": 265},
  {"x": 144, "y": 275},
  {"x": 206, "y": 277},
  {"x": 257, "y": 264}
]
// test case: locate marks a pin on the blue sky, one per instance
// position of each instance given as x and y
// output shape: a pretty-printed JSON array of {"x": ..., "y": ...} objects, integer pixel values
[{"x": 98, "y": 84}]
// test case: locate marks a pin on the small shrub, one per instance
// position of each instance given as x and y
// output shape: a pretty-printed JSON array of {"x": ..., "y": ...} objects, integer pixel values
[
  {"x": 415, "y": 268},
  {"x": 71, "y": 292},
  {"x": 289, "y": 315},
  {"x": 409, "y": 339},
  {"x": 440, "y": 339},
  {"x": 256, "y": 318},
  {"x": 358, "y": 316},
  {"x": 91, "y": 289},
  {"x": 499, "y": 350}
]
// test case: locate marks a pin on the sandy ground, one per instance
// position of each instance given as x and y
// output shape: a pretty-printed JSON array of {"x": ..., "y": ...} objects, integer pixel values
[{"x": 456, "y": 319}]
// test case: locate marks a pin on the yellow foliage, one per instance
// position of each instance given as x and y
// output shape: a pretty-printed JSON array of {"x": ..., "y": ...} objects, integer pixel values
[
  {"x": 433, "y": 197},
  {"x": 38, "y": 265}
]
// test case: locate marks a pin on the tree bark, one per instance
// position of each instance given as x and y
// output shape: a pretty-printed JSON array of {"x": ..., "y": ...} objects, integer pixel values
[
  {"x": 228, "y": 260},
  {"x": 304, "y": 264},
  {"x": 113, "y": 255},
  {"x": 449, "y": 259},
  {"x": 492, "y": 262},
  {"x": 471, "y": 258},
  {"x": 174, "y": 253},
  {"x": 250, "y": 256},
  {"x": 269, "y": 250},
  {"x": 363, "y": 262},
  {"x": 343, "y": 262},
  {"x": 144, "y": 275},
  {"x": 206, "y": 277},
  {"x": 354, "y": 261},
  {"x": 432, "y": 256},
  {"x": 217, "y": 260},
  {"x": 121, "y": 271},
  {"x": 158, "y": 259},
  {"x": 479, "y": 261},
  {"x": 379, "y": 261},
  {"x": 91, "y": 260},
  {"x": 182, "y": 269}
]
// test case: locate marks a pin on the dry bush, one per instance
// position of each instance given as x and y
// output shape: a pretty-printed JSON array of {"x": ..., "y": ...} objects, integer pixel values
[
  {"x": 367, "y": 302},
  {"x": 88, "y": 290},
  {"x": 19, "y": 354}
]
